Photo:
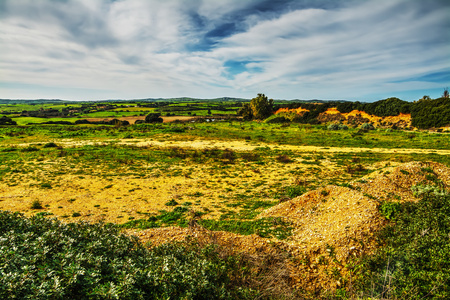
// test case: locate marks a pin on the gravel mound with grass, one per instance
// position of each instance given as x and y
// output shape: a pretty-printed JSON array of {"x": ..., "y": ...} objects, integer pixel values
[{"x": 332, "y": 225}]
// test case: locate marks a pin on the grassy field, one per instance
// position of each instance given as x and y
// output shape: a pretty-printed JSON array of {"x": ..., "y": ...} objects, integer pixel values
[{"x": 222, "y": 170}]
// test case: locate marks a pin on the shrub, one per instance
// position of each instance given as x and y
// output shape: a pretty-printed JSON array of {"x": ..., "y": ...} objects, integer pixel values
[
  {"x": 30, "y": 149},
  {"x": 389, "y": 209},
  {"x": 367, "y": 126},
  {"x": 50, "y": 145},
  {"x": 53, "y": 260},
  {"x": 343, "y": 127},
  {"x": 153, "y": 118},
  {"x": 295, "y": 191},
  {"x": 46, "y": 185},
  {"x": 333, "y": 127},
  {"x": 276, "y": 119},
  {"x": 172, "y": 202},
  {"x": 415, "y": 253},
  {"x": 249, "y": 156},
  {"x": 36, "y": 204}
]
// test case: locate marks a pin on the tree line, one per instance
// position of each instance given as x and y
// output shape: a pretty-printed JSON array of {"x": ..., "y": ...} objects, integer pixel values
[{"x": 425, "y": 113}]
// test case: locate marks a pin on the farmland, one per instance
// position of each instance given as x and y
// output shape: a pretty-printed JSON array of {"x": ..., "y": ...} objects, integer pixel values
[{"x": 215, "y": 173}]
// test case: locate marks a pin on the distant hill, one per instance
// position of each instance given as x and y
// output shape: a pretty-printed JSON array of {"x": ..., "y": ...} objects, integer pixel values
[{"x": 178, "y": 99}]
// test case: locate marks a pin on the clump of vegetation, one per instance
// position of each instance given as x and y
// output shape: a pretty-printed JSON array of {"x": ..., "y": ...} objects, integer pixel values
[
  {"x": 333, "y": 127},
  {"x": 36, "y": 204},
  {"x": 420, "y": 190},
  {"x": 259, "y": 108},
  {"x": 153, "y": 118},
  {"x": 46, "y": 185},
  {"x": 295, "y": 191},
  {"x": 389, "y": 209},
  {"x": 367, "y": 126},
  {"x": 414, "y": 258},
  {"x": 80, "y": 261},
  {"x": 50, "y": 145},
  {"x": 4, "y": 120},
  {"x": 172, "y": 202}
]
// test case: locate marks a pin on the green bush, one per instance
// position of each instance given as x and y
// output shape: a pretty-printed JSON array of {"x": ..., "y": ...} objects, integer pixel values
[
  {"x": 50, "y": 145},
  {"x": 367, "y": 126},
  {"x": 43, "y": 258},
  {"x": 414, "y": 259},
  {"x": 295, "y": 191},
  {"x": 36, "y": 204},
  {"x": 389, "y": 209},
  {"x": 333, "y": 127}
]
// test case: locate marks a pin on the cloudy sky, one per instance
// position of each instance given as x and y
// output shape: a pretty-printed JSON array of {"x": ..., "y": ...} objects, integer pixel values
[{"x": 287, "y": 49}]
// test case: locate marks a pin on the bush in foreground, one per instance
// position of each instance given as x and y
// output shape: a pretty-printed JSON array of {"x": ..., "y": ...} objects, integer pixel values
[
  {"x": 45, "y": 259},
  {"x": 414, "y": 261}
]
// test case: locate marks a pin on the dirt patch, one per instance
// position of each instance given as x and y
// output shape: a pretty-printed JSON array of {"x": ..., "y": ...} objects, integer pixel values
[{"x": 236, "y": 145}]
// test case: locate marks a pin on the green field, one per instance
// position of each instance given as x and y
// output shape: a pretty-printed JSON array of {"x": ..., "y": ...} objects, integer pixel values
[{"x": 221, "y": 180}]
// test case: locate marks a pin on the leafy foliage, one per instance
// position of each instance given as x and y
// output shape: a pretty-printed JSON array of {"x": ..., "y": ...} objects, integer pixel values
[
  {"x": 389, "y": 209},
  {"x": 44, "y": 258},
  {"x": 153, "y": 118},
  {"x": 431, "y": 113},
  {"x": 259, "y": 108},
  {"x": 414, "y": 261}
]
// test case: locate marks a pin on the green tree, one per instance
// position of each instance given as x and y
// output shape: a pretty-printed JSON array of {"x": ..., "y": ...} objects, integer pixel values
[
  {"x": 245, "y": 111},
  {"x": 261, "y": 106},
  {"x": 153, "y": 118}
]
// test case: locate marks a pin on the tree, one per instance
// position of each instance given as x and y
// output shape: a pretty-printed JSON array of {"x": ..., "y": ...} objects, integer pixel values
[
  {"x": 4, "y": 120},
  {"x": 245, "y": 111},
  {"x": 445, "y": 94},
  {"x": 261, "y": 106},
  {"x": 153, "y": 118}
]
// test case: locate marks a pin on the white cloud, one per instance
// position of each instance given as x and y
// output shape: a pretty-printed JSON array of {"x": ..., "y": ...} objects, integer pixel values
[{"x": 136, "y": 48}]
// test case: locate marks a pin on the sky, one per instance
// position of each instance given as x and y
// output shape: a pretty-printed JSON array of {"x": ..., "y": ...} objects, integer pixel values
[{"x": 359, "y": 50}]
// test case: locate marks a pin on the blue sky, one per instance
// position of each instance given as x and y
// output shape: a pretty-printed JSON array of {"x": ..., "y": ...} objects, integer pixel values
[{"x": 287, "y": 49}]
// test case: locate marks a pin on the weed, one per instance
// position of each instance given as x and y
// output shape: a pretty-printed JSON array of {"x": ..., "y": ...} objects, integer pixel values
[
  {"x": 295, "y": 191},
  {"x": 45, "y": 185},
  {"x": 324, "y": 192},
  {"x": 172, "y": 202},
  {"x": 36, "y": 204}
]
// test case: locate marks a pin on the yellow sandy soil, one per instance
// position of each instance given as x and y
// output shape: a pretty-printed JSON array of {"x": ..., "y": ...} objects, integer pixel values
[{"x": 238, "y": 145}]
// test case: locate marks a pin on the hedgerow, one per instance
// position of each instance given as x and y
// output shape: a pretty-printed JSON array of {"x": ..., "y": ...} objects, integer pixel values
[{"x": 43, "y": 258}]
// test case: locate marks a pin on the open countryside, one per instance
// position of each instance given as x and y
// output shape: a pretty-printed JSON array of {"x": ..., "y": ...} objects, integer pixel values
[{"x": 307, "y": 197}]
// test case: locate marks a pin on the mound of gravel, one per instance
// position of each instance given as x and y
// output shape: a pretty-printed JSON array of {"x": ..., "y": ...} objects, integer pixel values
[{"x": 331, "y": 225}]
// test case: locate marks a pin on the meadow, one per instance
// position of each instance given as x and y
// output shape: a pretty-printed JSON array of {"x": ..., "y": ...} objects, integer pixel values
[{"x": 221, "y": 176}]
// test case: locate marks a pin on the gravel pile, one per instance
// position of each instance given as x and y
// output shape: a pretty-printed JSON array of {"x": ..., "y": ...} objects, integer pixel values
[{"x": 331, "y": 225}]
